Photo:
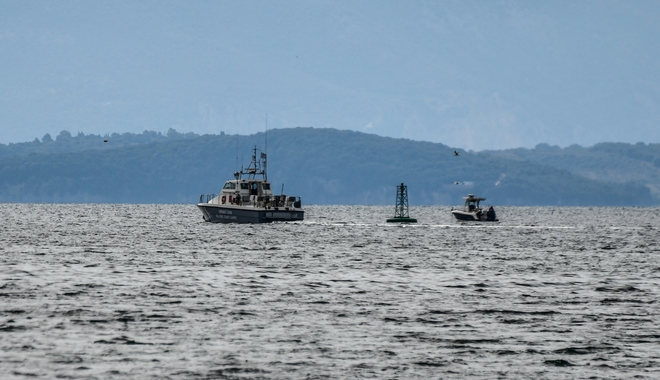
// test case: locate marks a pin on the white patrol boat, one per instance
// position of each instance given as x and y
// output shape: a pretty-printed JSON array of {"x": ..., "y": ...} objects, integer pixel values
[
  {"x": 472, "y": 211},
  {"x": 248, "y": 199}
]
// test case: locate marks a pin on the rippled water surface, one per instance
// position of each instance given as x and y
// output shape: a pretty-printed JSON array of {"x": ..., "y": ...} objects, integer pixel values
[{"x": 151, "y": 291}]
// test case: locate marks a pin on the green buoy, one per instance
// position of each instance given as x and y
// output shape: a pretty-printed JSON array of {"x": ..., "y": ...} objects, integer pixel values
[{"x": 401, "y": 208}]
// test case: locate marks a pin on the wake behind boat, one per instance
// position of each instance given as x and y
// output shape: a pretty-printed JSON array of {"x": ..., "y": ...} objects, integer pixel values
[
  {"x": 473, "y": 212},
  {"x": 248, "y": 199}
]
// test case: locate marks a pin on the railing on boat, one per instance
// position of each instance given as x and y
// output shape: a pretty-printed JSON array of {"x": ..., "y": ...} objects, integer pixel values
[
  {"x": 206, "y": 198},
  {"x": 274, "y": 201}
]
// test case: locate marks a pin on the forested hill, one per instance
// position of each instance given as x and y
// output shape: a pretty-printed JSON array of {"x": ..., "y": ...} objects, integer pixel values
[
  {"x": 324, "y": 166},
  {"x": 65, "y": 142},
  {"x": 608, "y": 162}
]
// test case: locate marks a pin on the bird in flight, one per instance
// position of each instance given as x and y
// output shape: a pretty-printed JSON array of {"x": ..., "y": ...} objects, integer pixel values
[{"x": 456, "y": 153}]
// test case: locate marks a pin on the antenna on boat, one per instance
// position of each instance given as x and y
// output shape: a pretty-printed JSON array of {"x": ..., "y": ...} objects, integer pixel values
[{"x": 266, "y": 150}]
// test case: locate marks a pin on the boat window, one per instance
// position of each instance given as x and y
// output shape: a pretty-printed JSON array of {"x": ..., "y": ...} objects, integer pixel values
[
  {"x": 244, "y": 186},
  {"x": 229, "y": 185},
  {"x": 266, "y": 186}
]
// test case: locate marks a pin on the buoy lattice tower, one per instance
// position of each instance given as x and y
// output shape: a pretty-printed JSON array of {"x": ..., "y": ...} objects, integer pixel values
[
  {"x": 401, "y": 207},
  {"x": 401, "y": 210}
]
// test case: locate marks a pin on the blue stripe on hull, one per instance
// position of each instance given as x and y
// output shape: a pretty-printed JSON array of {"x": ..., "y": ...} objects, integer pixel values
[{"x": 219, "y": 214}]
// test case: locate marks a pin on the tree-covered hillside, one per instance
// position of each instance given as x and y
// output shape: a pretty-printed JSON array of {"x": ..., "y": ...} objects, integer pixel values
[
  {"x": 607, "y": 162},
  {"x": 65, "y": 142},
  {"x": 324, "y": 166}
]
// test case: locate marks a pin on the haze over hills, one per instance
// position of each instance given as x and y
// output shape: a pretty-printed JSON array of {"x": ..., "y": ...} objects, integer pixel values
[
  {"x": 324, "y": 166},
  {"x": 608, "y": 162},
  {"x": 471, "y": 74}
]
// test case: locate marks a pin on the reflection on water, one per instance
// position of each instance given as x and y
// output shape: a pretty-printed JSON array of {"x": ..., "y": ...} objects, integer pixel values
[{"x": 93, "y": 291}]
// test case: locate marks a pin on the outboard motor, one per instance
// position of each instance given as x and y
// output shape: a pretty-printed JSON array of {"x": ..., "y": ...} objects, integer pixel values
[{"x": 490, "y": 215}]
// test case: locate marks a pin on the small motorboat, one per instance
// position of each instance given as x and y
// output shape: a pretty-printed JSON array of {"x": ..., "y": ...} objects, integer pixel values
[{"x": 473, "y": 212}]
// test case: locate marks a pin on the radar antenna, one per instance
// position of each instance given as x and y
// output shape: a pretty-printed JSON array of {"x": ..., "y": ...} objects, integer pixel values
[{"x": 256, "y": 167}]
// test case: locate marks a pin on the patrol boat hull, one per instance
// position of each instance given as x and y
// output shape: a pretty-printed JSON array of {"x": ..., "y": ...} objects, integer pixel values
[{"x": 245, "y": 214}]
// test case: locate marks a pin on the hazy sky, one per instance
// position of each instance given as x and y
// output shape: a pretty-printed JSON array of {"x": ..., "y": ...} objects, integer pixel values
[{"x": 468, "y": 74}]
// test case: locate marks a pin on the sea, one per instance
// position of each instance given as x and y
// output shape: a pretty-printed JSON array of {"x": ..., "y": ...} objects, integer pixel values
[{"x": 99, "y": 291}]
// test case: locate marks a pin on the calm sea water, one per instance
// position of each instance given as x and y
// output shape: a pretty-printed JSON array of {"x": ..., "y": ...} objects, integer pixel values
[{"x": 151, "y": 291}]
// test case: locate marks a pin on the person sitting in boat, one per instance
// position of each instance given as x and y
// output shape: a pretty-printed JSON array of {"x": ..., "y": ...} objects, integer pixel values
[{"x": 490, "y": 215}]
